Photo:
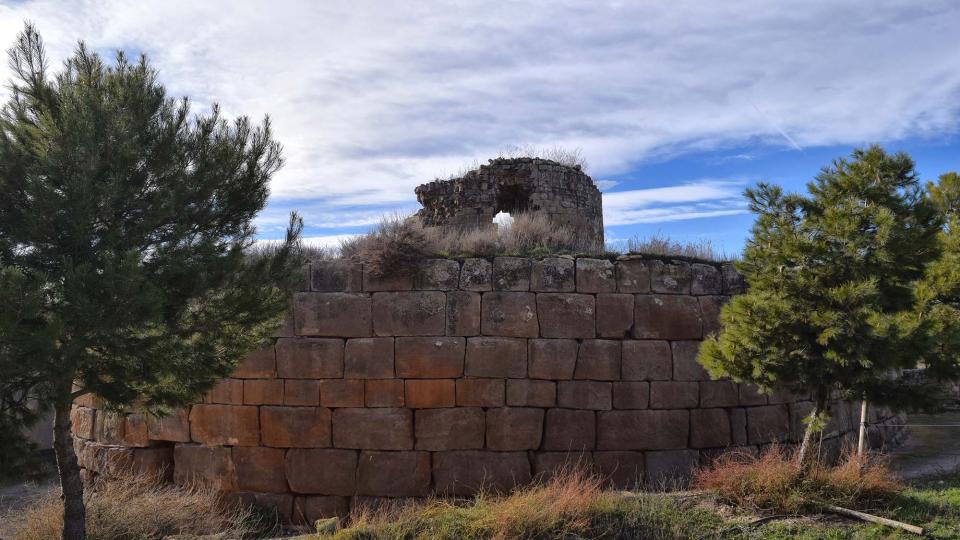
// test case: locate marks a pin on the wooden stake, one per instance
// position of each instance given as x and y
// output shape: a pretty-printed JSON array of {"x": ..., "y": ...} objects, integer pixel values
[
  {"x": 874, "y": 519},
  {"x": 862, "y": 440}
]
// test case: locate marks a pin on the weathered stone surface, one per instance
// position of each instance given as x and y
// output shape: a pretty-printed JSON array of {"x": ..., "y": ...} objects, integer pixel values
[
  {"x": 174, "y": 428},
  {"x": 460, "y": 428},
  {"x": 674, "y": 394},
  {"x": 738, "y": 427},
  {"x": 310, "y": 509},
  {"x": 750, "y": 395},
  {"x": 514, "y": 428},
  {"x": 768, "y": 423},
  {"x": 208, "y": 465},
  {"x": 322, "y": 471},
  {"x": 437, "y": 275},
  {"x": 463, "y": 313},
  {"x": 425, "y": 358},
  {"x": 642, "y": 430},
  {"x": 570, "y": 430},
  {"x": 295, "y": 427},
  {"x": 709, "y": 428},
  {"x": 531, "y": 393},
  {"x": 706, "y": 279},
  {"x": 232, "y": 425},
  {"x": 547, "y": 465},
  {"x": 511, "y": 274},
  {"x": 429, "y": 393},
  {"x": 226, "y": 392},
  {"x": 373, "y": 429},
  {"x": 108, "y": 427},
  {"x": 157, "y": 461},
  {"x": 341, "y": 393},
  {"x": 596, "y": 276},
  {"x": 647, "y": 361},
  {"x": 279, "y": 504},
  {"x": 480, "y": 392},
  {"x": 476, "y": 275},
  {"x": 259, "y": 469},
  {"x": 510, "y": 314},
  {"x": 418, "y": 313},
  {"x": 672, "y": 277},
  {"x": 614, "y": 315},
  {"x": 82, "y": 422},
  {"x": 599, "y": 360},
  {"x": 671, "y": 468},
  {"x": 263, "y": 392},
  {"x": 733, "y": 282},
  {"x": 552, "y": 358},
  {"x": 383, "y": 393},
  {"x": 332, "y": 314},
  {"x": 553, "y": 274},
  {"x": 496, "y": 357},
  {"x": 567, "y": 315},
  {"x": 633, "y": 276},
  {"x": 368, "y": 358},
  {"x": 336, "y": 275},
  {"x": 259, "y": 364},
  {"x": 631, "y": 395},
  {"x": 463, "y": 473},
  {"x": 394, "y": 474},
  {"x": 391, "y": 281},
  {"x": 718, "y": 394},
  {"x": 685, "y": 365},
  {"x": 585, "y": 395},
  {"x": 667, "y": 317},
  {"x": 620, "y": 470},
  {"x": 304, "y": 392},
  {"x": 135, "y": 430}
]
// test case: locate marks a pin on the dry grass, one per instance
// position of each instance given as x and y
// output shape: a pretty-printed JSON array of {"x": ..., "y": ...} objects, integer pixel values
[
  {"x": 772, "y": 482},
  {"x": 658, "y": 244},
  {"x": 140, "y": 507}
]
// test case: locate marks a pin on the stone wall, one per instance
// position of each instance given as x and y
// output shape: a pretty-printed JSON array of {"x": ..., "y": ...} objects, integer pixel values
[{"x": 468, "y": 373}]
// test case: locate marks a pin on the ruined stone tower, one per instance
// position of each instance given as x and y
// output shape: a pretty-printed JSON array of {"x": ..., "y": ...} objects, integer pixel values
[{"x": 520, "y": 185}]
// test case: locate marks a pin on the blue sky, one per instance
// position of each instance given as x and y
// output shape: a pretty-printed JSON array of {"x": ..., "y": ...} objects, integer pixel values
[{"x": 676, "y": 107}]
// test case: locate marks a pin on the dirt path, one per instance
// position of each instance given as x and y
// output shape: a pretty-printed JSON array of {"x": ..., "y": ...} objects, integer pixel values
[{"x": 931, "y": 448}]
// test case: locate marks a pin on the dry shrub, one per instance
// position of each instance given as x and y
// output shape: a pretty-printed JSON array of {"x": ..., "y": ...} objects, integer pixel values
[
  {"x": 393, "y": 245},
  {"x": 139, "y": 507},
  {"x": 658, "y": 244},
  {"x": 773, "y": 482}
]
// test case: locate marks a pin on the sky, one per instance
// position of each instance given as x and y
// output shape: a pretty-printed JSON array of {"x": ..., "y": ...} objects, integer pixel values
[{"x": 675, "y": 106}]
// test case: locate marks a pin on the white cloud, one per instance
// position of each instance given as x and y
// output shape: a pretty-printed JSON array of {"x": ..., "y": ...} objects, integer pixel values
[{"x": 691, "y": 200}]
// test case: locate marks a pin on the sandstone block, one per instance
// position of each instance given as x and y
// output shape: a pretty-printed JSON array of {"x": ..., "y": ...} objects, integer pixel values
[
  {"x": 383, "y": 393},
  {"x": 570, "y": 430},
  {"x": 437, "y": 275},
  {"x": 259, "y": 364},
  {"x": 667, "y": 317},
  {"x": 418, "y": 313},
  {"x": 109, "y": 427},
  {"x": 670, "y": 277},
  {"x": 175, "y": 427},
  {"x": 427, "y": 358},
  {"x": 322, "y": 471},
  {"x": 674, "y": 394},
  {"x": 476, "y": 275},
  {"x": 463, "y": 473},
  {"x": 514, "y": 428},
  {"x": 718, "y": 394},
  {"x": 156, "y": 461},
  {"x": 642, "y": 430},
  {"x": 259, "y": 469},
  {"x": 738, "y": 427},
  {"x": 231, "y": 425},
  {"x": 429, "y": 393},
  {"x": 553, "y": 274},
  {"x": 304, "y": 392},
  {"x": 768, "y": 423},
  {"x": 226, "y": 392},
  {"x": 278, "y": 504},
  {"x": 647, "y": 361},
  {"x": 511, "y": 274},
  {"x": 391, "y": 280},
  {"x": 460, "y": 428},
  {"x": 596, "y": 276},
  {"x": 368, "y": 358},
  {"x": 511, "y": 314},
  {"x": 373, "y": 429},
  {"x": 567, "y": 315},
  {"x": 733, "y": 282},
  {"x": 621, "y": 470},
  {"x": 671, "y": 468},
  {"x": 633, "y": 276},
  {"x": 310, "y": 509},
  {"x": 135, "y": 430},
  {"x": 341, "y": 393},
  {"x": 709, "y": 428},
  {"x": 332, "y": 314},
  {"x": 394, "y": 474},
  {"x": 631, "y": 395},
  {"x": 337, "y": 275},
  {"x": 585, "y": 395},
  {"x": 496, "y": 357},
  {"x": 307, "y": 358},
  {"x": 750, "y": 395},
  {"x": 706, "y": 279},
  {"x": 463, "y": 313},
  {"x": 212, "y": 466},
  {"x": 552, "y": 358},
  {"x": 531, "y": 393},
  {"x": 295, "y": 427},
  {"x": 614, "y": 315},
  {"x": 710, "y": 309},
  {"x": 480, "y": 392},
  {"x": 547, "y": 465},
  {"x": 82, "y": 422},
  {"x": 685, "y": 365},
  {"x": 599, "y": 360},
  {"x": 263, "y": 392}
]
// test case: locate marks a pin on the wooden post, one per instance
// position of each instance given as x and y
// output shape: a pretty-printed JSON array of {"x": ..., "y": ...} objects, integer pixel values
[{"x": 862, "y": 440}]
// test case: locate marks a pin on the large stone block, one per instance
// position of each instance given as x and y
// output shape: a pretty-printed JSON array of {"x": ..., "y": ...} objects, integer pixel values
[
  {"x": 570, "y": 430},
  {"x": 480, "y": 392},
  {"x": 709, "y": 428},
  {"x": 567, "y": 315},
  {"x": 585, "y": 395},
  {"x": 437, "y": 275},
  {"x": 674, "y": 394},
  {"x": 552, "y": 358},
  {"x": 336, "y": 275},
  {"x": 341, "y": 393},
  {"x": 706, "y": 279},
  {"x": 373, "y": 429},
  {"x": 301, "y": 392},
  {"x": 553, "y": 274},
  {"x": 259, "y": 469},
  {"x": 108, "y": 427},
  {"x": 263, "y": 392},
  {"x": 718, "y": 394},
  {"x": 425, "y": 358},
  {"x": 310, "y": 509},
  {"x": 738, "y": 427},
  {"x": 368, "y": 358},
  {"x": 82, "y": 422},
  {"x": 596, "y": 276},
  {"x": 392, "y": 280},
  {"x": 463, "y": 473},
  {"x": 667, "y": 317},
  {"x": 295, "y": 427},
  {"x": 547, "y": 465},
  {"x": 135, "y": 430},
  {"x": 633, "y": 276},
  {"x": 671, "y": 469},
  {"x": 710, "y": 310},
  {"x": 322, "y": 471},
  {"x": 599, "y": 360},
  {"x": 156, "y": 461},
  {"x": 476, "y": 275},
  {"x": 642, "y": 430},
  {"x": 514, "y": 428},
  {"x": 511, "y": 274},
  {"x": 332, "y": 314},
  {"x": 768, "y": 423},
  {"x": 620, "y": 470},
  {"x": 383, "y": 393},
  {"x": 510, "y": 314},
  {"x": 211, "y": 466},
  {"x": 226, "y": 392},
  {"x": 531, "y": 393},
  {"x": 631, "y": 395},
  {"x": 798, "y": 413},
  {"x": 751, "y": 395},
  {"x": 419, "y": 313},
  {"x": 733, "y": 282},
  {"x": 231, "y": 425},
  {"x": 174, "y": 427},
  {"x": 463, "y": 313},
  {"x": 429, "y": 393},
  {"x": 685, "y": 365},
  {"x": 460, "y": 428},
  {"x": 672, "y": 277},
  {"x": 646, "y": 361},
  {"x": 496, "y": 357},
  {"x": 394, "y": 474},
  {"x": 614, "y": 315},
  {"x": 259, "y": 364}
]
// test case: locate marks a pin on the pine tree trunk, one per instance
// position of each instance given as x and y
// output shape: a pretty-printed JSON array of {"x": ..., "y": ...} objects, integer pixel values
[{"x": 74, "y": 512}]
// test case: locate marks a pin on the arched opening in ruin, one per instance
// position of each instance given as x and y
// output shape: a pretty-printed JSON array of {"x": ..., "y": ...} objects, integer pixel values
[{"x": 511, "y": 200}]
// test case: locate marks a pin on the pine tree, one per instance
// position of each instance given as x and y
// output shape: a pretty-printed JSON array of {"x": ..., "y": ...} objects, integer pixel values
[
  {"x": 830, "y": 307},
  {"x": 125, "y": 236}
]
